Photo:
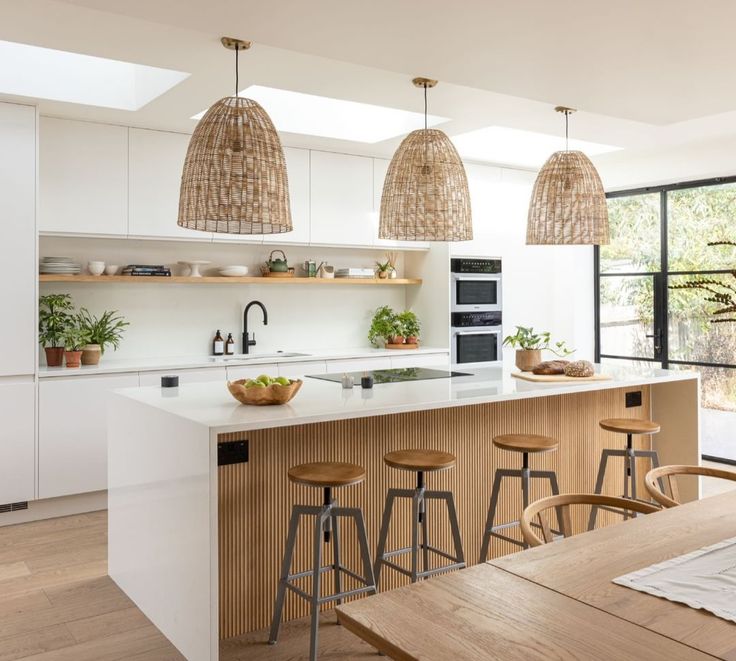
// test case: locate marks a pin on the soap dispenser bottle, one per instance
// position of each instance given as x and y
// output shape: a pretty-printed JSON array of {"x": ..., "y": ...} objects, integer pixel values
[
  {"x": 218, "y": 345},
  {"x": 229, "y": 345}
]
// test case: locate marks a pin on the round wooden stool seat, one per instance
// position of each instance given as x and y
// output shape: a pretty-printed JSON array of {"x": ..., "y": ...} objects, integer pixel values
[
  {"x": 327, "y": 474},
  {"x": 419, "y": 460},
  {"x": 629, "y": 426},
  {"x": 525, "y": 443}
]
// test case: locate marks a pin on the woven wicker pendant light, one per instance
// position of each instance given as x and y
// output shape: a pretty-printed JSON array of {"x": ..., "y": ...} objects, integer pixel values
[
  {"x": 568, "y": 204},
  {"x": 425, "y": 193},
  {"x": 234, "y": 179}
]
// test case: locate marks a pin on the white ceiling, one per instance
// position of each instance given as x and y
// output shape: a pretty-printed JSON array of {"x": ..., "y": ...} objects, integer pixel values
[{"x": 647, "y": 76}]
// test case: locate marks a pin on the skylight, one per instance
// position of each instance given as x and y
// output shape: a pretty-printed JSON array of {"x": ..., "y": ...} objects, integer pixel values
[
  {"x": 499, "y": 144},
  {"x": 44, "y": 73},
  {"x": 308, "y": 114}
]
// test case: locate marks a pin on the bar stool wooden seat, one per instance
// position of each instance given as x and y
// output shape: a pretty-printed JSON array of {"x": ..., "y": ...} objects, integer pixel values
[
  {"x": 628, "y": 426},
  {"x": 525, "y": 444},
  {"x": 419, "y": 462},
  {"x": 327, "y": 476}
]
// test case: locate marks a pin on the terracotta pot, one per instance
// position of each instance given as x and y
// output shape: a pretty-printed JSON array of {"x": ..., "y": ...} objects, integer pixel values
[
  {"x": 528, "y": 359},
  {"x": 54, "y": 356},
  {"x": 383, "y": 275},
  {"x": 73, "y": 358},
  {"x": 397, "y": 339},
  {"x": 411, "y": 339},
  {"x": 91, "y": 354}
]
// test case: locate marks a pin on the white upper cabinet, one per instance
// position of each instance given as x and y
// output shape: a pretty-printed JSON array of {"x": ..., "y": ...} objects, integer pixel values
[
  {"x": 156, "y": 162},
  {"x": 83, "y": 178},
  {"x": 380, "y": 167},
  {"x": 297, "y": 168},
  {"x": 341, "y": 199},
  {"x": 18, "y": 216}
]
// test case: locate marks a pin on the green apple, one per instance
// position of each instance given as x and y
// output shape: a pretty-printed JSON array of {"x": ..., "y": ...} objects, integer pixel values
[
  {"x": 264, "y": 379},
  {"x": 283, "y": 381}
]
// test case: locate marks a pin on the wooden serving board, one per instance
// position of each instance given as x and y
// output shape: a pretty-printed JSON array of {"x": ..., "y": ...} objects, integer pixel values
[
  {"x": 557, "y": 378},
  {"x": 402, "y": 346}
]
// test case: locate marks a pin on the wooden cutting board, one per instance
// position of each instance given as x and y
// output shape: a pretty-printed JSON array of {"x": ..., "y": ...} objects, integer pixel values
[{"x": 558, "y": 378}]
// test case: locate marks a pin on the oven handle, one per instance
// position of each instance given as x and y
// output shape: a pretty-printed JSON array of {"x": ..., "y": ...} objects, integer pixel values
[
  {"x": 478, "y": 332},
  {"x": 479, "y": 276}
]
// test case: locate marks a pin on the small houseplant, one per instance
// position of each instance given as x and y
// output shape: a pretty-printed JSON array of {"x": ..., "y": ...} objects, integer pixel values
[
  {"x": 104, "y": 331},
  {"x": 529, "y": 346},
  {"x": 410, "y": 326},
  {"x": 383, "y": 269},
  {"x": 383, "y": 325},
  {"x": 75, "y": 336},
  {"x": 54, "y": 315}
]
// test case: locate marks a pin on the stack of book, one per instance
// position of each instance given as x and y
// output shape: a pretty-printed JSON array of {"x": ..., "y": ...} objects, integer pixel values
[
  {"x": 355, "y": 273},
  {"x": 147, "y": 269}
]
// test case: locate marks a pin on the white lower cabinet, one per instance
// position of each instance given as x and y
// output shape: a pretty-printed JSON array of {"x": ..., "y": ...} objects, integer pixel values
[
  {"x": 236, "y": 372},
  {"x": 293, "y": 370},
  {"x": 72, "y": 438},
  {"x": 201, "y": 375},
  {"x": 17, "y": 466},
  {"x": 421, "y": 360},
  {"x": 359, "y": 364}
]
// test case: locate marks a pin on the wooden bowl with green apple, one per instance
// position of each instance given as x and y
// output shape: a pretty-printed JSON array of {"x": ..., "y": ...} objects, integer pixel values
[{"x": 264, "y": 390}]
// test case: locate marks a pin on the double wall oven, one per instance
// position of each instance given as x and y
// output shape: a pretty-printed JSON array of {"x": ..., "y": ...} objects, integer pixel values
[{"x": 476, "y": 312}]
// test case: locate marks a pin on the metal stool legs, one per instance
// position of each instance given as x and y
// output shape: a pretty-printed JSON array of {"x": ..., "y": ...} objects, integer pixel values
[
  {"x": 326, "y": 530},
  {"x": 630, "y": 456},
  {"x": 419, "y": 498},
  {"x": 526, "y": 475}
]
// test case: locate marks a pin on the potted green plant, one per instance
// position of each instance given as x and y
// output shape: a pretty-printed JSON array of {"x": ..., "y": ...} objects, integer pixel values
[
  {"x": 75, "y": 336},
  {"x": 529, "y": 346},
  {"x": 383, "y": 325},
  {"x": 383, "y": 269},
  {"x": 410, "y": 326},
  {"x": 54, "y": 314},
  {"x": 104, "y": 331}
]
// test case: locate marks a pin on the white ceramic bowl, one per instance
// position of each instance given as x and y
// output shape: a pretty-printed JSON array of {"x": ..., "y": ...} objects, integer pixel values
[
  {"x": 96, "y": 268},
  {"x": 111, "y": 269},
  {"x": 234, "y": 271}
]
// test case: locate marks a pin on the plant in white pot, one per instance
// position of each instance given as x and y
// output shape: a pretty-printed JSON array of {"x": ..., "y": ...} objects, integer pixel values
[
  {"x": 529, "y": 346},
  {"x": 104, "y": 331},
  {"x": 54, "y": 315}
]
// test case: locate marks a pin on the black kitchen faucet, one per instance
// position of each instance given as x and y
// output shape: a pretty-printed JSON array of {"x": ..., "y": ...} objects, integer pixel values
[{"x": 247, "y": 342}]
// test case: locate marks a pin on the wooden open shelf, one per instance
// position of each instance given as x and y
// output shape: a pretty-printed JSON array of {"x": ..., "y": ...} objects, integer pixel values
[{"x": 220, "y": 280}]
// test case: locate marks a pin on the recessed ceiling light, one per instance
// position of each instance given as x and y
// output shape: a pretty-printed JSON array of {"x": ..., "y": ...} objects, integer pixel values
[
  {"x": 499, "y": 144},
  {"x": 44, "y": 73},
  {"x": 308, "y": 114}
]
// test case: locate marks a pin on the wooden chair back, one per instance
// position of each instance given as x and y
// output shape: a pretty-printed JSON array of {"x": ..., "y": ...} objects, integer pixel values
[
  {"x": 670, "y": 496},
  {"x": 534, "y": 517}
]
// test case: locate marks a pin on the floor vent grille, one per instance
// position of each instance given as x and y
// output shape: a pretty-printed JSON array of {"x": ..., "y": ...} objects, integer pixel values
[{"x": 13, "y": 507}]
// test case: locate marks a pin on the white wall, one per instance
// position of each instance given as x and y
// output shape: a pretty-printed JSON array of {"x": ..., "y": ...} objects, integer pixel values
[{"x": 180, "y": 320}]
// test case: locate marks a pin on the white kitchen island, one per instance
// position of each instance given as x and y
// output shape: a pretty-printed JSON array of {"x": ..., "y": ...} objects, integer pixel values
[{"x": 197, "y": 546}]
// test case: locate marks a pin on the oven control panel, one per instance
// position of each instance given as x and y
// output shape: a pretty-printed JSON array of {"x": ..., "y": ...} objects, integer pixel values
[
  {"x": 472, "y": 265},
  {"x": 475, "y": 319}
]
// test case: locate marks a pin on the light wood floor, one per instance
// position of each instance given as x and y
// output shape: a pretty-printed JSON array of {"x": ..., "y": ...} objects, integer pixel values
[{"x": 58, "y": 604}]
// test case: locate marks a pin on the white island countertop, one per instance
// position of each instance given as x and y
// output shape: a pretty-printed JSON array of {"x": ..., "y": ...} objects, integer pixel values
[{"x": 211, "y": 405}]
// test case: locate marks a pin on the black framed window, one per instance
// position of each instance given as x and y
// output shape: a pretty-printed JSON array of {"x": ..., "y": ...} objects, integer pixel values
[{"x": 659, "y": 239}]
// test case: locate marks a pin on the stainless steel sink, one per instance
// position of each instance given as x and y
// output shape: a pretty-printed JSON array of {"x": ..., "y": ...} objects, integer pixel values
[{"x": 261, "y": 356}]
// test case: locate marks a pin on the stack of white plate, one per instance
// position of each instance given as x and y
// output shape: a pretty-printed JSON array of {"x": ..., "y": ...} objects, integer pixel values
[
  {"x": 234, "y": 271},
  {"x": 59, "y": 266}
]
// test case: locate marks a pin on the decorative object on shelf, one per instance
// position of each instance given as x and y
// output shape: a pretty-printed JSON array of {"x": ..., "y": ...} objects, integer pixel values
[
  {"x": 383, "y": 269},
  {"x": 264, "y": 391},
  {"x": 233, "y": 271},
  {"x": 112, "y": 269},
  {"x": 55, "y": 313},
  {"x": 425, "y": 193},
  {"x": 393, "y": 328},
  {"x": 310, "y": 268},
  {"x": 356, "y": 272},
  {"x": 716, "y": 291},
  {"x": 104, "y": 331},
  {"x": 579, "y": 368},
  {"x": 59, "y": 266},
  {"x": 529, "y": 346},
  {"x": 277, "y": 265},
  {"x": 568, "y": 204},
  {"x": 75, "y": 337},
  {"x": 234, "y": 179},
  {"x": 96, "y": 268},
  {"x": 392, "y": 258},
  {"x": 194, "y": 267},
  {"x": 326, "y": 271},
  {"x": 147, "y": 270}
]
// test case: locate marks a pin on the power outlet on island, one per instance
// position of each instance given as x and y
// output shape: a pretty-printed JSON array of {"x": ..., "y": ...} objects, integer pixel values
[{"x": 633, "y": 399}]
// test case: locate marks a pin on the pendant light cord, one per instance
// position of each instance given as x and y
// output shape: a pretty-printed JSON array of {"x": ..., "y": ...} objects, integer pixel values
[
  {"x": 237, "y": 52},
  {"x": 425, "y": 106},
  {"x": 567, "y": 130}
]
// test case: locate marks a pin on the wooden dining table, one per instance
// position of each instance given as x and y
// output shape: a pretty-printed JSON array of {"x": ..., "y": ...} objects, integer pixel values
[{"x": 558, "y": 601}]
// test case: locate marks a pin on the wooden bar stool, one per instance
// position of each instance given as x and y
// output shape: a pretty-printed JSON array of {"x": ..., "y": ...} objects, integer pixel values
[
  {"x": 324, "y": 475},
  {"x": 526, "y": 444},
  {"x": 628, "y": 426},
  {"x": 420, "y": 462}
]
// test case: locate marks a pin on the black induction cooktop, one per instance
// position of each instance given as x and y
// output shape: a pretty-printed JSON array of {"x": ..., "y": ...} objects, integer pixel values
[{"x": 392, "y": 376}]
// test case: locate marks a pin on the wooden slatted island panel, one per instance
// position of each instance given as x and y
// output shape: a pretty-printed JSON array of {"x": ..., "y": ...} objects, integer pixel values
[{"x": 224, "y": 527}]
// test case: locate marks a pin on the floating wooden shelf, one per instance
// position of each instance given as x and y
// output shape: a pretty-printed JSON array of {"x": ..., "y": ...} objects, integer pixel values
[{"x": 221, "y": 280}]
